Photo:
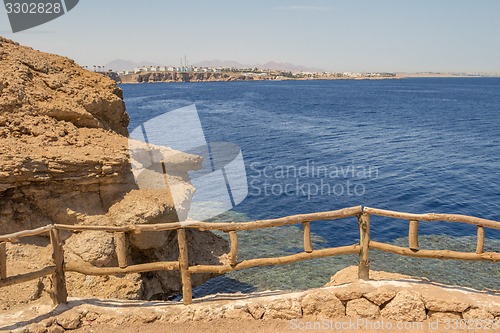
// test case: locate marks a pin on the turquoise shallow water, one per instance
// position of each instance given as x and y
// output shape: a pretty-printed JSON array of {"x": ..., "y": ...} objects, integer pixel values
[
  {"x": 315, "y": 273},
  {"x": 433, "y": 145}
]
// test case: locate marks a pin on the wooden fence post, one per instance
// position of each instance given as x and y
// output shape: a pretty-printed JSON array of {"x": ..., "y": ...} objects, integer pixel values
[
  {"x": 3, "y": 261},
  {"x": 187, "y": 292},
  {"x": 58, "y": 278},
  {"x": 307, "y": 237},
  {"x": 121, "y": 249},
  {"x": 480, "y": 239},
  {"x": 364, "y": 242},
  {"x": 413, "y": 236},
  {"x": 233, "y": 254}
]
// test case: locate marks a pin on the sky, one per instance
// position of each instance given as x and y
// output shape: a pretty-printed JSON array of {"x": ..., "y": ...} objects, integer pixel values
[{"x": 348, "y": 35}]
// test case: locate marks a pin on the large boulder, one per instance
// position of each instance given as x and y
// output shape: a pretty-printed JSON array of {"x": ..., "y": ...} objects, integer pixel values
[
  {"x": 441, "y": 301},
  {"x": 405, "y": 306},
  {"x": 94, "y": 247},
  {"x": 381, "y": 295},
  {"x": 322, "y": 304},
  {"x": 283, "y": 308},
  {"x": 362, "y": 308}
]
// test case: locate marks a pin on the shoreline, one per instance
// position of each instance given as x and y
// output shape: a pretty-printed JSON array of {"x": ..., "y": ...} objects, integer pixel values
[
  {"x": 387, "y": 300},
  {"x": 397, "y": 77}
]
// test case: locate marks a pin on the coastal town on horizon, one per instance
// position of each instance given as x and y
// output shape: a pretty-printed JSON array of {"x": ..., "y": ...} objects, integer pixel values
[{"x": 234, "y": 71}]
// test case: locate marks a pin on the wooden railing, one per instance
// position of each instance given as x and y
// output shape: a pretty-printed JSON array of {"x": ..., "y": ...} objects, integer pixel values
[{"x": 362, "y": 248}]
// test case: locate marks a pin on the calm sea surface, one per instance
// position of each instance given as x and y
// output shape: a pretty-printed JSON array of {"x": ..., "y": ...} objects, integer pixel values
[{"x": 414, "y": 145}]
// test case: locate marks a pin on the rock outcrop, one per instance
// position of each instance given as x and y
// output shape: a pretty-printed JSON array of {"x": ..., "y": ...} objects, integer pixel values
[
  {"x": 64, "y": 158},
  {"x": 63, "y": 145},
  {"x": 405, "y": 306},
  {"x": 405, "y": 301},
  {"x": 191, "y": 77}
]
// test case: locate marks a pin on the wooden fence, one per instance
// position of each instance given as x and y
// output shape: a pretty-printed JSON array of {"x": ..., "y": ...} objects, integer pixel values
[{"x": 58, "y": 269}]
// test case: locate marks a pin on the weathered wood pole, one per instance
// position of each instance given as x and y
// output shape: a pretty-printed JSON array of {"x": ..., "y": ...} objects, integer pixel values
[
  {"x": 413, "y": 235},
  {"x": 187, "y": 292},
  {"x": 121, "y": 249},
  {"x": 60, "y": 293},
  {"x": 480, "y": 240},
  {"x": 3, "y": 261},
  {"x": 364, "y": 242},
  {"x": 20, "y": 278},
  {"x": 233, "y": 254},
  {"x": 307, "y": 237}
]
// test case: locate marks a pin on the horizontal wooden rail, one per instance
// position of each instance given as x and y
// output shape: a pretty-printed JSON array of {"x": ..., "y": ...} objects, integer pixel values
[
  {"x": 16, "y": 279},
  {"x": 69, "y": 227},
  {"x": 434, "y": 217},
  {"x": 225, "y": 226},
  {"x": 436, "y": 254},
  {"x": 88, "y": 269},
  {"x": 350, "y": 249},
  {"x": 12, "y": 238}
]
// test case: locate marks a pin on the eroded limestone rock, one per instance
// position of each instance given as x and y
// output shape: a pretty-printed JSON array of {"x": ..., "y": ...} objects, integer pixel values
[
  {"x": 65, "y": 158},
  {"x": 406, "y": 306}
]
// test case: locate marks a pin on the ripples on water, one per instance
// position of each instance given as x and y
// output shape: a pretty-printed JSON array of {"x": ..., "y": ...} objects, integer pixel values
[{"x": 434, "y": 142}]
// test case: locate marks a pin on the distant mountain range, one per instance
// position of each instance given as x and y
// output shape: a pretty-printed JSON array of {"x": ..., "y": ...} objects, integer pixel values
[{"x": 123, "y": 65}]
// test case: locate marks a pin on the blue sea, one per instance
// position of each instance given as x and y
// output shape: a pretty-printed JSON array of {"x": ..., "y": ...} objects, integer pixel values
[{"x": 415, "y": 145}]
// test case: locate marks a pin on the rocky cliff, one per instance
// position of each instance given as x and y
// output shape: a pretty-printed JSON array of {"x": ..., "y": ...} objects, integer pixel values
[
  {"x": 64, "y": 158},
  {"x": 191, "y": 77}
]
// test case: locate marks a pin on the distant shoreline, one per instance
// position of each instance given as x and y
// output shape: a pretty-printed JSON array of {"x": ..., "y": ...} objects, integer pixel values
[
  {"x": 180, "y": 77},
  {"x": 446, "y": 75}
]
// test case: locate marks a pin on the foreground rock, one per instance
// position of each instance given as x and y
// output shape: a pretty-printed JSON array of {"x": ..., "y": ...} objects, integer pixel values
[
  {"x": 299, "y": 309},
  {"x": 64, "y": 158},
  {"x": 405, "y": 306}
]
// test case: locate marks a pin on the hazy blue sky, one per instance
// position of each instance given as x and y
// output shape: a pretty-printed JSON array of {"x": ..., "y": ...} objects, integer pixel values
[{"x": 382, "y": 35}]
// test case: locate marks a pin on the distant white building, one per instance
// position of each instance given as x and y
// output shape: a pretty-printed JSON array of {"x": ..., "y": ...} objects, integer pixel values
[{"x": 350, "y": 74}]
